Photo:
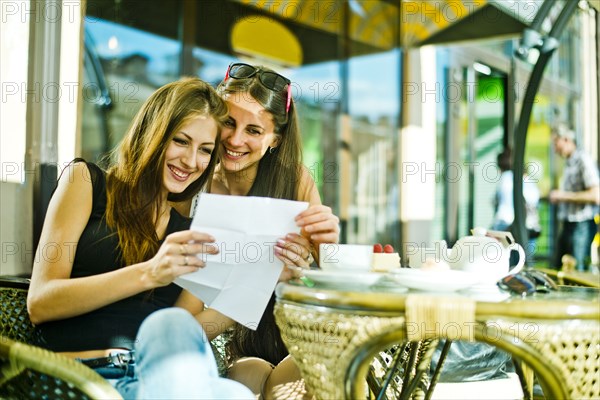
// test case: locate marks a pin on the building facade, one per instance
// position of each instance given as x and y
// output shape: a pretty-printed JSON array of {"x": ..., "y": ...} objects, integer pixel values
[{"x": 402, "y": 108}]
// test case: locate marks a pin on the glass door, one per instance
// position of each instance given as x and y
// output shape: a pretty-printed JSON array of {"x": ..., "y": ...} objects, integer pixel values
[
  {"x": 489, "y": 139},
  {"x": 479, "y": 135}
]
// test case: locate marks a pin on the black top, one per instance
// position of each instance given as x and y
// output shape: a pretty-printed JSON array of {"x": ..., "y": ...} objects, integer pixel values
[{"x": 115, "y": 325}]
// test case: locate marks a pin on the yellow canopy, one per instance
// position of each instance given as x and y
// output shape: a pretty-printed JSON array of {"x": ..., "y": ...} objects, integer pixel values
[{"x": 375, "y": 22}]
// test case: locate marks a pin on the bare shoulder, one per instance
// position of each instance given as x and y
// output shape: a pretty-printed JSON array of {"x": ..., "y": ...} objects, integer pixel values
[
  {"x": 70, "y": 206},
  {"x": 75, "y": 177},
  {"x": 66, "y": 217},
  {"x": 307, "y": 189}
]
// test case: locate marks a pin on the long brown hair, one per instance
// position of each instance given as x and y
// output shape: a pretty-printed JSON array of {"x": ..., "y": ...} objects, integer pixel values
[
  {"x": 278, "y": 176},
  {"x": 134, "y": 182}
]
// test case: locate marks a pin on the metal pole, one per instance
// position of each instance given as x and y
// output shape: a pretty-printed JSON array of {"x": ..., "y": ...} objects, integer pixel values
[
  {"x": 531, "y": 35},
  {"x": 547, "y": 49},
  {"x": 42, "y": 114},
  {"x": 344, "y": 135}
]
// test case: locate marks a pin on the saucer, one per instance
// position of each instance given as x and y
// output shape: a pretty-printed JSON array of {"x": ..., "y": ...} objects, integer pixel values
[
  {"x": 486, "y": 292},
  {"x": 433, "y": 281},
  {"x": 388, "y": 284},
  {"x": 343, "y": 277}
]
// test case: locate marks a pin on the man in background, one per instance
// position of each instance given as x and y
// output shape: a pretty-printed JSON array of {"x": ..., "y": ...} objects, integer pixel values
[{"x": 578, "y": 198}]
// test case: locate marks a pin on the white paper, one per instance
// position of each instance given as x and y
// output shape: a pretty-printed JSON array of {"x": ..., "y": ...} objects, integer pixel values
[{"x": 239, "y": 281}]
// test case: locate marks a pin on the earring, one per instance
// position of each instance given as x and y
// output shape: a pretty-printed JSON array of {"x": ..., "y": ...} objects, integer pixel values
[{"x": 271, "y": 150}]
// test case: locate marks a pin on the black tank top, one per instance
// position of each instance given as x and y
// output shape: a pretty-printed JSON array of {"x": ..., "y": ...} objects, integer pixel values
[{"x": 115, "y": 325}]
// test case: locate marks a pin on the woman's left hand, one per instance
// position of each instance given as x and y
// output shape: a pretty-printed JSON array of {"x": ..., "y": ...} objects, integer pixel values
[
  {"x": 295, "y": 252},
  {"x": 319, "y": 224}
]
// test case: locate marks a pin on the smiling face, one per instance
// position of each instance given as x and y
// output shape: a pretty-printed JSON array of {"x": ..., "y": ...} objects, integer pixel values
[
  {"x": 189, "y": 153},
  {"x": 247, "y": 134}
]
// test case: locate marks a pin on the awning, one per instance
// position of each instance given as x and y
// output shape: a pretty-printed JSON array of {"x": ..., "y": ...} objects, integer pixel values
[
  {"x": 375, "y": 22},
  {"x": 371, "y": 22},
  {"x": 446, "y": 21},
  {"x": 373, "y": 26}
]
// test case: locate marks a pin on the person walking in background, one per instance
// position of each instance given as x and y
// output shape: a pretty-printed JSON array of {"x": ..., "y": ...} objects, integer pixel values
[
  {"x": 578, "y": 198},
  {"x": 504, "y": 203}
]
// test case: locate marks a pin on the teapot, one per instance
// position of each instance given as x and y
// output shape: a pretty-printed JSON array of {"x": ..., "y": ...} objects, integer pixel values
[{"x": 486, "y": 255}]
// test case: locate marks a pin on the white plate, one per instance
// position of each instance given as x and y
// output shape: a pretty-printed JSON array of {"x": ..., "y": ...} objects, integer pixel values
[
  {"x": 433, "y": 281},
  {"x": 341, "y": 278},
  {"x": 387, "y": 284},
  {"x": 491, "y": 293}
]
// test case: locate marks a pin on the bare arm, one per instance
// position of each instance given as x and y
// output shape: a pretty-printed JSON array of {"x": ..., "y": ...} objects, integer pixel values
[
  {"x": 318, "y": 222},
  {"x": 54, "y": 295},
  {"x": 213, "y": 322},
  {"x": 591, "y": 195},
  {"x": 318, "y": 225}
]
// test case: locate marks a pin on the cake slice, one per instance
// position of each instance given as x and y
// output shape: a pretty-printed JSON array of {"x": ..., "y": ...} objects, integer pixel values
[{"x": 385, "y": 258}]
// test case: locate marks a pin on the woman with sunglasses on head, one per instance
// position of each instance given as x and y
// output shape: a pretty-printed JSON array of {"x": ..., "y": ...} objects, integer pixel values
[
  {"x": 111, "y": 246},
  {"x": 261, "y": 155}
]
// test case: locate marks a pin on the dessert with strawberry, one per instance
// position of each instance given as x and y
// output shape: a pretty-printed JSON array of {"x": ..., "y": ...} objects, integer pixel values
[{"x": 385, "y": 258}]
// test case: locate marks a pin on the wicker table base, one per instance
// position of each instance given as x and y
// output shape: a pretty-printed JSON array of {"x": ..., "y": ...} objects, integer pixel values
[{"x": 334, "y": 337}]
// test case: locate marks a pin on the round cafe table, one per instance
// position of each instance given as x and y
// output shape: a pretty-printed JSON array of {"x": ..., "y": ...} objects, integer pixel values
[{"x": 334, "y": 334}]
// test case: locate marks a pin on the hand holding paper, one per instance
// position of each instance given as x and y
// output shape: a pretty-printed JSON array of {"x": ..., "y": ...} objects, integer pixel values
[{"x": 239, "y": 281}]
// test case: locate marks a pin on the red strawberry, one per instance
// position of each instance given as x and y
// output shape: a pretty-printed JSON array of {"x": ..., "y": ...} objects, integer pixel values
[
  {"x": 377, "y": 248},
  {"x": 388, "y": 248}
]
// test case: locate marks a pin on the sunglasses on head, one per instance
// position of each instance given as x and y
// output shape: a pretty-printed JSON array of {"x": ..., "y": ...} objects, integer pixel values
[{"x": 269, "y": 79}]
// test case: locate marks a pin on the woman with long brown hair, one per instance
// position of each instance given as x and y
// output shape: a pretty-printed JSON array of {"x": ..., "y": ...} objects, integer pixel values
[
  {"x": 261, "y": 155},
  {"x": 111, "y": 247}
]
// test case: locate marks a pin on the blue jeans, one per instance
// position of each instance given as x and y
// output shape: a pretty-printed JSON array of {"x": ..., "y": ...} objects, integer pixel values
[
  {"x": 576, "y": 239},
  {"x": 174, "y": 360}
]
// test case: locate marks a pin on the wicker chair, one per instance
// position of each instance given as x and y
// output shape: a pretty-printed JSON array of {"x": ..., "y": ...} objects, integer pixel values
[
  {"x": 14, "y": 320},
  {"x": 42, "y": 380},
  {"x": 572, "y": 278},
  {"x": 29, "y": 372}
]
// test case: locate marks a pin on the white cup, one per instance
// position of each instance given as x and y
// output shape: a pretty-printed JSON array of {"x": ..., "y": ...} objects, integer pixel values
[{"x": 355, "y": 257}]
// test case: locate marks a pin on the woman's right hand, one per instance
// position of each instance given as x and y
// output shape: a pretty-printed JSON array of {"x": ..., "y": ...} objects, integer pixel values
[{"x": 179, "y": 254}]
